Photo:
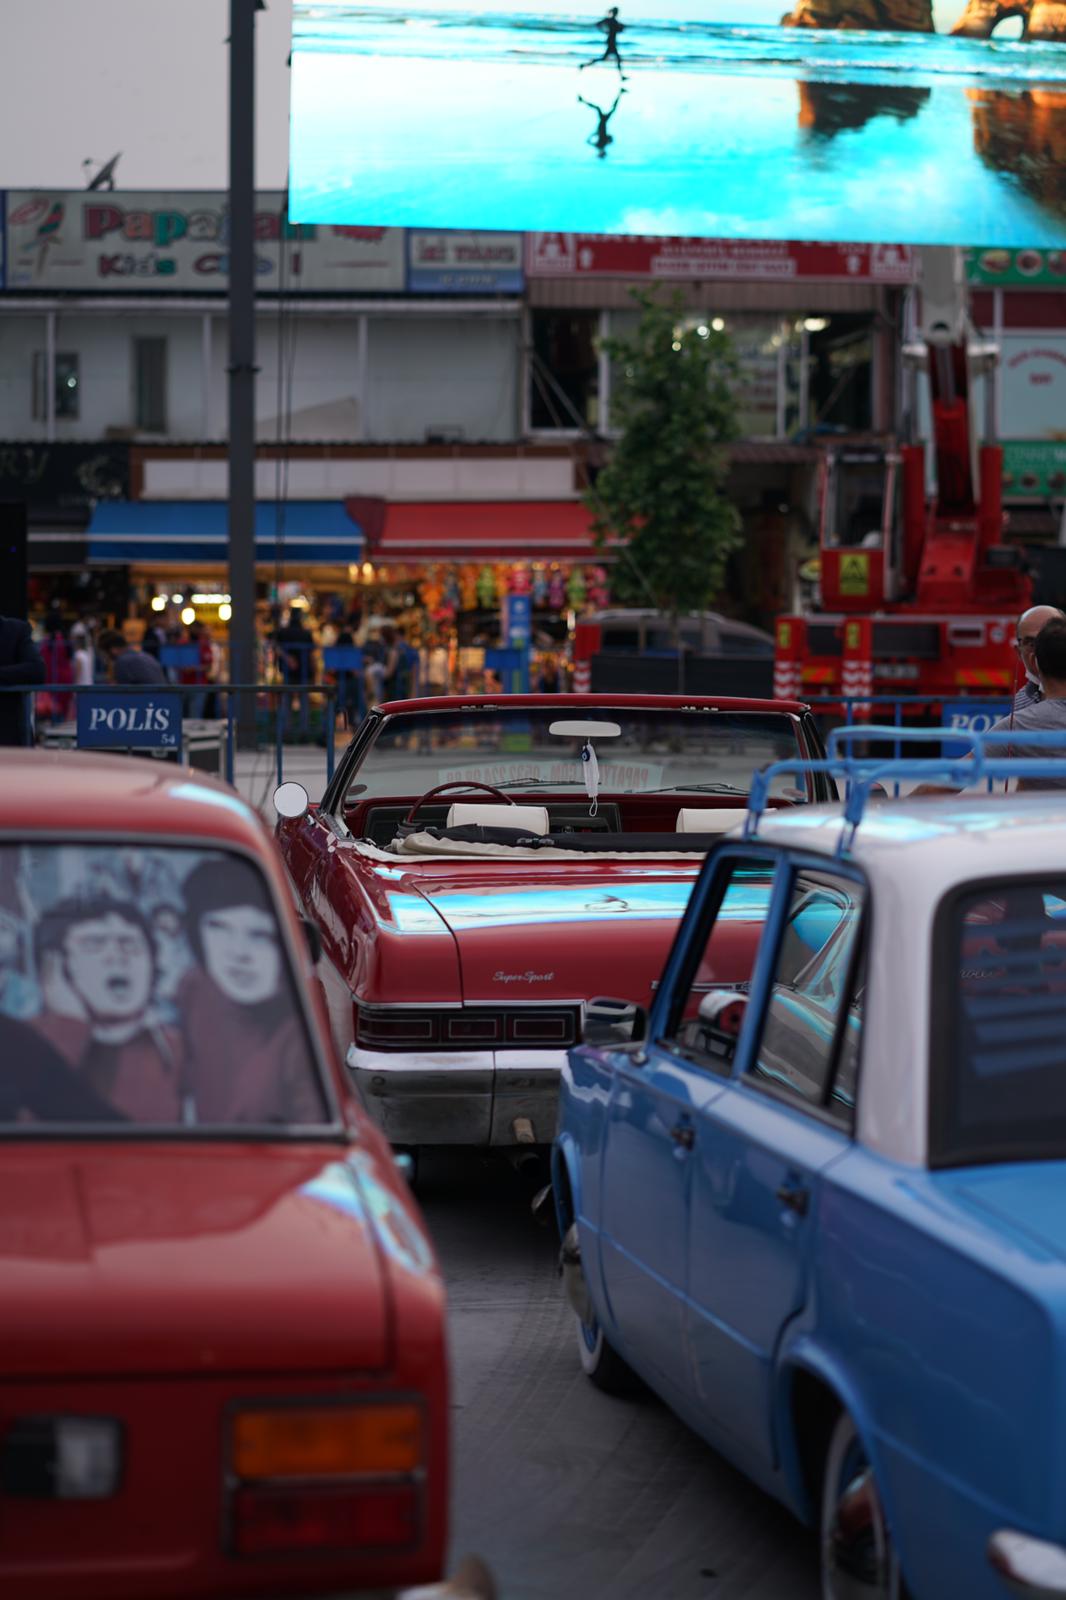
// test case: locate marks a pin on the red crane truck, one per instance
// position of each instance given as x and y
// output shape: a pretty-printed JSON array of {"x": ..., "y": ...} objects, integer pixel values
[{"x": 919, "y": 594}]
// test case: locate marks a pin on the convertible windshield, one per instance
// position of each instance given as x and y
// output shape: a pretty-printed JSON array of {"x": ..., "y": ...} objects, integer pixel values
[
  {"x": 654, "y": 749},
  {"x": 148, "y": 986}
]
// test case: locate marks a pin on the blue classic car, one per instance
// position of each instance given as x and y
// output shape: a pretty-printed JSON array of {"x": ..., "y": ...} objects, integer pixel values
[{"x": 816, "y": 1198}]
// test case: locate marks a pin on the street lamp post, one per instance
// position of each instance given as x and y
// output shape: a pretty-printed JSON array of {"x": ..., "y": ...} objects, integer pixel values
[{"x": 242, "y": 368}]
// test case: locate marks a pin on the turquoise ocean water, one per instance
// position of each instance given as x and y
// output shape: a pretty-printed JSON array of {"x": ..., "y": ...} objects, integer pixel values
[{"x": 460, "y": 119}]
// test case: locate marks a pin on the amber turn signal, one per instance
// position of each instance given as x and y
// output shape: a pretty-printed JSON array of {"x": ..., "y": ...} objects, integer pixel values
[{"x": 327, "y": 1441}]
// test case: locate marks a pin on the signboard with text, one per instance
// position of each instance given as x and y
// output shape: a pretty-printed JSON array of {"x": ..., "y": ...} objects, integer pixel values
[
  {"x": 1034, "y": 469},
  {"x": 169, "y": 242},
  {"x": 575, "y": 255},
  {"x": 117, "y": 719},
  {"x": 450, "y": 262}
]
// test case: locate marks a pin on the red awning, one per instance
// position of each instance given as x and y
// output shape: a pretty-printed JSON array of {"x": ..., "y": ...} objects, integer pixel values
[{"x": 485, "y": 530}]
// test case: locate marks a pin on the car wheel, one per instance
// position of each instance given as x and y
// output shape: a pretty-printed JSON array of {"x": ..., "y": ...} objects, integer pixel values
[
  {"x": 859, "y": 1560},
  {"x": 601, "y": 1362}
]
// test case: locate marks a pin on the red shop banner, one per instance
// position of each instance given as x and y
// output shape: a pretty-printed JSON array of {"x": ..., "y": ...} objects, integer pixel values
[{"x": 569, "y": 255}]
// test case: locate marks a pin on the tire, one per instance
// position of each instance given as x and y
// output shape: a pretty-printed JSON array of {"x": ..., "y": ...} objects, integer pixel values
[
  {"x": 858, "y": 1555},
  {"x": 600, "y": 1361}
]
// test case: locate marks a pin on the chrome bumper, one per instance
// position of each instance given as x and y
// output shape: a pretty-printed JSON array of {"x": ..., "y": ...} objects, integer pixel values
[
  {"x": 1028, "y": 1566},
  {"x": 480, "y": 1097}
]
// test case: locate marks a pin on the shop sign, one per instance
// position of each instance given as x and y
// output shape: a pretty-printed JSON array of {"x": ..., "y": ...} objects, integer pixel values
[
  {"x": 1034, "y": 469},
  {"x": 168, "y": 242},
  {"x": 517, "y": 619},
  {"x": 450, "y": 262},
  {"x": 854, "y": 577},
  {"x": 569, "y": 255},
  {"x": 1032, "y": 377},
  {"x": 64, "y": 474},
  {"x": 1034, "y": 269},
  {"x": 113, "y": 719}
]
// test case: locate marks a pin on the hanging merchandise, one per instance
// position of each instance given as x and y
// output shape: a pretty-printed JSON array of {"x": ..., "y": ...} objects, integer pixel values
[
  {"x": 454, "y": 595},
  {"x": 540, "y": 584},
  {"x": 557, "y": 589},
  {"x": 575, "y": 589},
  {"x": 467, "y": 584},
  {"x": 599, "y": 593},
  {"x": 520, "y": 582},
  {"x": 486, "y": 588}
]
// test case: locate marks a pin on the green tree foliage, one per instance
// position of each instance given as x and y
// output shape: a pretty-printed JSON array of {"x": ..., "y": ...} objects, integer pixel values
[{"x": 662, "y": 493}]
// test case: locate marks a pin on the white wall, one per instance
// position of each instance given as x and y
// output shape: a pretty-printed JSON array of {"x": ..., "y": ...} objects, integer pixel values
[
  {"x": 423, "y": 372},
  {"x": 427, "y": 373}
]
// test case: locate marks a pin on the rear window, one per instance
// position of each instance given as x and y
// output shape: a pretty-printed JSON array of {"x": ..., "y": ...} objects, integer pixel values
[
  {"x": 147, "y": 986},
  {"x": 999, "y": 1049}
]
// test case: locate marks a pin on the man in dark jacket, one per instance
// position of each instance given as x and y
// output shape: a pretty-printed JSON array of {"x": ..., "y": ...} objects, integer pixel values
[{"x": 20, "y": 663}]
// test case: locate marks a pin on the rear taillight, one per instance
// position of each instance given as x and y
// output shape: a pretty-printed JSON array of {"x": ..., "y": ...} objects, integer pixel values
[
  {"x": 466, "y": 1028},
  {"x": 326, "y": 1477},
  {"x": 270, "y": 1521}
]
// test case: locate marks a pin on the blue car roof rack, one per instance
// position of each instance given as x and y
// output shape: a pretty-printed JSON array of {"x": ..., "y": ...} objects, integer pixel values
[{"x": 863, "y": 773}]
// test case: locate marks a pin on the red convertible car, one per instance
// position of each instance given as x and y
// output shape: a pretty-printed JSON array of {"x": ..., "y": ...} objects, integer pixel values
[
  {"x": 480, "y": 868},
  {"x": 222, "y": 1359}
]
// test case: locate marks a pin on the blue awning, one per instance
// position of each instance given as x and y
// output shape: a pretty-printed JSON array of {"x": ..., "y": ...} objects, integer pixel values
[{"x": 143, "y": 531}]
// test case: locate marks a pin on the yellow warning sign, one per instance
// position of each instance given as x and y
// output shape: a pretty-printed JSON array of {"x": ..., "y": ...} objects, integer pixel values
[
  {"x": 852, "y": 636},
  {"x": 854, "y": 576},
  {"x": 784, "y": 635}
]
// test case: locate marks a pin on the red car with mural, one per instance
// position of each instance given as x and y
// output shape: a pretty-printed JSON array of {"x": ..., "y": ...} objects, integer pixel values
[
  {"x": 480, "y": 868},
  {"x": 222, "y": 1323}
]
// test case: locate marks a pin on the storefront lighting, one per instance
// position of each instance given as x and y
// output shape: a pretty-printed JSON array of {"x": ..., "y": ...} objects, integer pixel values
[
  {"x": 178, "y": 599},
  {"x": 159, "y": 602},
  {"x": 188, "y": 615},
  {"x": 703, "y": 330},
  {"x": 300, "y": 602},
  {"x": 213, "y": 599},
  {"x": 816, "y": 324},
  {"x": 718, "y": 324},
  {"x": 368, "y": 572},
  {"x": 677, "y": 344},
  {"x": 225, "y": 611}
]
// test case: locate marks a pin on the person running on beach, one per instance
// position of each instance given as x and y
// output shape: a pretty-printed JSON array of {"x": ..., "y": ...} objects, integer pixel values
[
  {"x": 610, "y": 26},
  {"x": 601, "y": 138}
]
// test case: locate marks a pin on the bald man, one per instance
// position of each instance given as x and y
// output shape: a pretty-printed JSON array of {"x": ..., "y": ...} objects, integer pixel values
[{"x": 1029, "y": 625}]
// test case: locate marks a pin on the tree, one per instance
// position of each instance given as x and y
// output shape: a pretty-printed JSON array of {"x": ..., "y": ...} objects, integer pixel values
[{"x": 662, "y": 492}]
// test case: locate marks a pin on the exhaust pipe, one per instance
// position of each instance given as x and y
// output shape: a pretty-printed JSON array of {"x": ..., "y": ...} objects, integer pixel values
[{"x": 527, "y": 1162}]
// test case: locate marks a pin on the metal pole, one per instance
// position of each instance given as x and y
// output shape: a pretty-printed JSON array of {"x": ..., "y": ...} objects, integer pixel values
[
  {"x": 50, "y": 376},
  {"x": 242, "y": 636}
]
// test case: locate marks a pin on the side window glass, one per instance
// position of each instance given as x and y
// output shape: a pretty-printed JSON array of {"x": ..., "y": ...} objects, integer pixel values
[
  {"x": 815, "y": 1006},
  {"x": 714, "y": 1003}
]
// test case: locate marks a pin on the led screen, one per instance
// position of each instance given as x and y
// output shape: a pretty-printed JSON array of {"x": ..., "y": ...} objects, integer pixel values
[{"x": 848, "y": 119}]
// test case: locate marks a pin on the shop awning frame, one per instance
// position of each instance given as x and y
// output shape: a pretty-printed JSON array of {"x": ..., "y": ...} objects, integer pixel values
[
  {"x": 143, "y": 532},
  {"x": 442, "y": 532}
]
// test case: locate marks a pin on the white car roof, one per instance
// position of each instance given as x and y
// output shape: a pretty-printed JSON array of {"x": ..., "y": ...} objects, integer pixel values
[{"x": 913, "y": 852}]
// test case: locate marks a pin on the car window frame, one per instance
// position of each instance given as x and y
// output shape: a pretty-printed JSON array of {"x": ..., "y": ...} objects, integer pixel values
[
  {"x": 329, "y": 1131},
  {"x": 942, "y": 1153},
  {"x": 690, "y": 941},
  {"x": 822, "y": 1110}
]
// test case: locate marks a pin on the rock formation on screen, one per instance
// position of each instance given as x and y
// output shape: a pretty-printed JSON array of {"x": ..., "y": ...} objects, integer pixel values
[
  {"x": 1024, "y": 135},
  {"x": 1041, "y": 19},
  {"x": 827, "y": 109},
  {"x": 886, "y": 16}
]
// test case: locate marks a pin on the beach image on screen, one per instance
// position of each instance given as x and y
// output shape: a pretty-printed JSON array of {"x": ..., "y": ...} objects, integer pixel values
[{"x": 924, "y": 121}]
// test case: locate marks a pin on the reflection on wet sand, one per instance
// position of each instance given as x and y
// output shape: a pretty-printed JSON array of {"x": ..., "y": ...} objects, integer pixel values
[
  {"x": 1023, "y": 135},
  {"x": 827, "y": 109}
]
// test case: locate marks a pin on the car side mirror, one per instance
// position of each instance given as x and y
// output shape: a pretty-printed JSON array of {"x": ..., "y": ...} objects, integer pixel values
[
  {"x": 290, "y": 800},
  {"x": 313, "y": 935},
  {"x": 611, "y": 1023}
]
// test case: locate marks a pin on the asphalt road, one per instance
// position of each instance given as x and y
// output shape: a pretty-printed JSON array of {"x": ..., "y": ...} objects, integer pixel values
[{"x": 570, "y": 1494}]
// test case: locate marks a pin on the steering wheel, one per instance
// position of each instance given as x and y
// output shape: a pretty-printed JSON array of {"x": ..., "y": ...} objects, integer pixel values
[{"x": 457, "y": 783}]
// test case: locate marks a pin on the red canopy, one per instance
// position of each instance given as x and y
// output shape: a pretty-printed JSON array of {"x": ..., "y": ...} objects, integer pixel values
[{"x": 484, "y": 530}]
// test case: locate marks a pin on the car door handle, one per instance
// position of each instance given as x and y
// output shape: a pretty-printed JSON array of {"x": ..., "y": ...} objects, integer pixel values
[
  {"x": 795, "y": 1197},
  {"x": 684, "y": 1134}
]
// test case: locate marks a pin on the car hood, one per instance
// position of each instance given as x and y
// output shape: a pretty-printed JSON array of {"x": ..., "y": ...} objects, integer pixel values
[
  {"x": 1024, "y": 1198},
  {"x": 561, "y": 930},
  {"x": 185, "y": 1258}
]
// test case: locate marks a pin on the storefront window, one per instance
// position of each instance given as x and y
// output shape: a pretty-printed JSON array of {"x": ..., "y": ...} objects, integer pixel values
[
  {"x": 840, "y": 366},
  {"x": 564, "y": 370}
]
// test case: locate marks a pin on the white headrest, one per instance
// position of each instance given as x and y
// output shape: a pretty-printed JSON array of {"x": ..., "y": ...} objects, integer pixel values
[
  {"x": 531, "y": 819},
  {"x": 706, "y": 820}
]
